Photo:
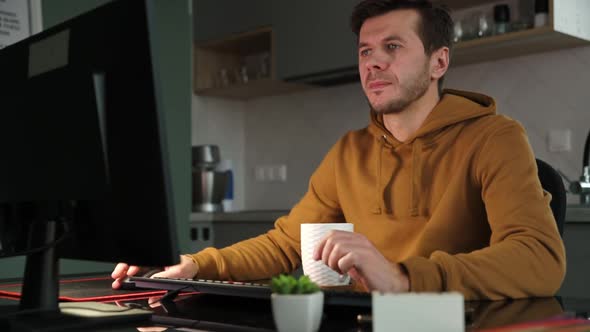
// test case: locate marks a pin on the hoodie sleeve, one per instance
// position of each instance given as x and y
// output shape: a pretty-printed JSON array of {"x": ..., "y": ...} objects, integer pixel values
[
  {"x": 277, "y": 251},
  {"x": 526, "y": 256}
]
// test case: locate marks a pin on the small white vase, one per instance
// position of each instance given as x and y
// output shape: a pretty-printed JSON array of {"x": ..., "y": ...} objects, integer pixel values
[{"x": 297, "y": 312}]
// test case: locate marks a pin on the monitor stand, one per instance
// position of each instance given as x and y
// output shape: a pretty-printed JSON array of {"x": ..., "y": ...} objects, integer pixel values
[{"x": 39, "y": 308}]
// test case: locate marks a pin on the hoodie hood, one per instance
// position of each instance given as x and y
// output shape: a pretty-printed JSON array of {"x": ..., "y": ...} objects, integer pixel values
[{"x": 454, "y": 107}]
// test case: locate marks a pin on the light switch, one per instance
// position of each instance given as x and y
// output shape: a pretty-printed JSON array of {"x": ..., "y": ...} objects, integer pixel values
[{"x": 559, "y": 140}]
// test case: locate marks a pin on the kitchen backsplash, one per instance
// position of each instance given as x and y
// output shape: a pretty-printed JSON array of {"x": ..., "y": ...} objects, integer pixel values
[{"x": 544, "y": 92}]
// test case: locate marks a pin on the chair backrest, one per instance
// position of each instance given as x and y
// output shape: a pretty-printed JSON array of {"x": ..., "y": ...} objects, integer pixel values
[{"x": 551, "y": 181}]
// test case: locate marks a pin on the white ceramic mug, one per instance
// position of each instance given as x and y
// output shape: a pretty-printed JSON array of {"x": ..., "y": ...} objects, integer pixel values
[{"x": 317, "y": 271}]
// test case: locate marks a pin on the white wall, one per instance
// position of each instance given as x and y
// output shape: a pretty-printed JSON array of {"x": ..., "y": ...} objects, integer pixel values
[{"x": 543, "y": 91}]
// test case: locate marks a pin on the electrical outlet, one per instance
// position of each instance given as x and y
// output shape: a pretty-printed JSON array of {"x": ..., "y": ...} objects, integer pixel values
[
  {"x": 260, "y": 173},
  {"x": 270, "y": 173},
  {"x": 281, "y": 173}
]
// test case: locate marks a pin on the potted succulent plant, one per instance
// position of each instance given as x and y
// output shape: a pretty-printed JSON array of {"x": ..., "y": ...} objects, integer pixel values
[{"x": 297, "y": 304}]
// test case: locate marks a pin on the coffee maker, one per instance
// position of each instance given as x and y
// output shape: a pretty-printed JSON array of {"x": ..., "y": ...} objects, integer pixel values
[{"x": 209, "y": 184}]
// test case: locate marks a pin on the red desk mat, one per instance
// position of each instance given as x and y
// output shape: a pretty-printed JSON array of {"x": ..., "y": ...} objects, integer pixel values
[{"x": 87, "y": 289}]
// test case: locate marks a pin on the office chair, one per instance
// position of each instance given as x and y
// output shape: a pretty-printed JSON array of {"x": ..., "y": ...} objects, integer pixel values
[{"x": 551, "y": 181}]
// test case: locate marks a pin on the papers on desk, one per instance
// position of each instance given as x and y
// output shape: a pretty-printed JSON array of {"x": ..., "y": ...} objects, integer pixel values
[{"x": 416, "y": 312}]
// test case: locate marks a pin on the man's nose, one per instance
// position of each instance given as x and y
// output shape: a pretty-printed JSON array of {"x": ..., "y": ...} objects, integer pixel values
[{"x": 377, "y": 62}]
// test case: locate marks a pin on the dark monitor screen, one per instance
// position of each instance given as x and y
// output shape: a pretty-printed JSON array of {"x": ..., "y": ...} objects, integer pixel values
[{"x": 85, "y": 170}]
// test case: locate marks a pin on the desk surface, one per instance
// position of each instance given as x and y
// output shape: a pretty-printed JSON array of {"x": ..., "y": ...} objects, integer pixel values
[{"x": 219, "y": 313}]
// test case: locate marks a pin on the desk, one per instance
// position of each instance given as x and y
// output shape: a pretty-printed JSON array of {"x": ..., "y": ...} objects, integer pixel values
[{"x": 217, "y": 313}]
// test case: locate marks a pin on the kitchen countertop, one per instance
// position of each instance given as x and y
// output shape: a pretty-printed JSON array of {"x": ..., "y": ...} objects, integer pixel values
[
  {"x": 239, "y": 216},
  {"x": 575, "y": 213}
]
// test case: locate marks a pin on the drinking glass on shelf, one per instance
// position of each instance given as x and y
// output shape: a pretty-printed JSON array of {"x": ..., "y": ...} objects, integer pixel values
[
  {"x": 468, "y": 26},
  {"x": 223, "y": 77},
  {"x": 501, "y": 19},
  {"x": 241, "y": 75},
  {"x": 484, "y": 24},
  {"x": 458, "y": 31},
  {"x": 264, "y": 65}
]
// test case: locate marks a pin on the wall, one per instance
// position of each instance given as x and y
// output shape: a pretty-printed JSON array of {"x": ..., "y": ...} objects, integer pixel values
[
  {"x": 543, "y": 91},
  {"x": 174, "y": 54},
  {"x": 296, "y": 130},
  {"x": 221, "y": 122}
]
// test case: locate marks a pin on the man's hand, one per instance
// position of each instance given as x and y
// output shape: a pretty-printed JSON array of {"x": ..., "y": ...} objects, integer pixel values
[
  {"x": 353, "y": 253},
  {"x": 186, "y": 269}
]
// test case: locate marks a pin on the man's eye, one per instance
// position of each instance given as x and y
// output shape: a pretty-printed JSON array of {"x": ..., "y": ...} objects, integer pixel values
[
  {"x": 392, "y": 46},
  {"x": 365, "y": 52}
]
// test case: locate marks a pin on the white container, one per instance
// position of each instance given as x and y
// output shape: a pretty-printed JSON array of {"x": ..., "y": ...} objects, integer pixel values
[
  {"x": 297, "y": 312},
  {"x": 317, "y": 271}
]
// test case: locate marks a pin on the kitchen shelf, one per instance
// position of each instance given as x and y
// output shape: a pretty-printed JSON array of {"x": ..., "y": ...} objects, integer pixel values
[
  {"x": 513, "y": 44},
  {"x": 567, "y": 28},
  {"x": 252, "y": 89},
  {"x": 219, "y": 66}
]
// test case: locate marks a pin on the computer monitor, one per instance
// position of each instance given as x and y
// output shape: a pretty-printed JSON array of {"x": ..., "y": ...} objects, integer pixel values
[{"x": 84, "y": 172}]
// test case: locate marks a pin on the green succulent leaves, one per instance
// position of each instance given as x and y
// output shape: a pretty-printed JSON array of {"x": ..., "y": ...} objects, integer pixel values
[{"x": 287, "y": 284}]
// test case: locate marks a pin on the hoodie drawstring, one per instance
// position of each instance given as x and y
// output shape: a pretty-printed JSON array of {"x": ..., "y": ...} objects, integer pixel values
[
  {"x": 416, "y": 177},
  {"x": 377, "y": 206}
]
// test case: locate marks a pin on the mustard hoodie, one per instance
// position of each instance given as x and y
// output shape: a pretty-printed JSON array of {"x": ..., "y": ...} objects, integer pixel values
[{"x": 459, "y": 204}]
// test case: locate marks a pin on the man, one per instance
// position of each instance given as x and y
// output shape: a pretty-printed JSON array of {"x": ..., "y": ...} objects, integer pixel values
[{"x": 443, "y": 193}]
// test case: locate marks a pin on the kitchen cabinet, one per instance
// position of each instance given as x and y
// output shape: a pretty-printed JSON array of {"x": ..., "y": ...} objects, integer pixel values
[
  {"x": 575, "y": 238},
  {"x": 214, "y": 20},
  {"x": 233, "y": 49},
  {"x": 241, "y": 66},
  {"x": 220, "y": 234},
  {"x": 314, "y": 40},
  {"x": 309, "y": 43},
  {"x": 221, "y": 229}
]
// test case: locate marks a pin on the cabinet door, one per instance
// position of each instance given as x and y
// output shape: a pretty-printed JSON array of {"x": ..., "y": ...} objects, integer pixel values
[
  {"x": 217, "y": 19},
  {"x": 313, "y": 37},
  {"x": 230, "y": 232}
]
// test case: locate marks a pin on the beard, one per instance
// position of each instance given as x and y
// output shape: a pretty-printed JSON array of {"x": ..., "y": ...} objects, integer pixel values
[{"x": 410, "y": 91}]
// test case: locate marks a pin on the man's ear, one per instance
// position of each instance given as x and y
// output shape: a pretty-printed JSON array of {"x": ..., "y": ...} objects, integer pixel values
[{"x": 439, "y": 62}]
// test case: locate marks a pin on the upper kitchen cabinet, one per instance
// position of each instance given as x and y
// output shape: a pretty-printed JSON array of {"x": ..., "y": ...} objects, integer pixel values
[
  {"x": 265, "y": 47},
  {"x": 314, "y": 43},
  {"x": 567, "y": 25},
  {"x": 217, "y": 19},
  {"x": 234, "y": 50}
]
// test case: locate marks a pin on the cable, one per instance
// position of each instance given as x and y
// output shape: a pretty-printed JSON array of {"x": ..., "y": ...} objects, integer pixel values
[
  {"x": 171, "y": 294},
  {"x": 66, "y": 233}
]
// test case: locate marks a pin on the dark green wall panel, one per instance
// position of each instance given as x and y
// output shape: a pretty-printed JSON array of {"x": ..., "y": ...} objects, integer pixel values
[{"x": 173, "y": 41}]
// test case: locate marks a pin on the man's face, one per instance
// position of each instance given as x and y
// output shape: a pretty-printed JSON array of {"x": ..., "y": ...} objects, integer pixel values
[{"x": 393, "y": 67}]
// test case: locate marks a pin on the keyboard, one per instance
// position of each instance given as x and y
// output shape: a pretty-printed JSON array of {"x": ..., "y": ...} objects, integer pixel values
[{"x": 246, "y": 289}]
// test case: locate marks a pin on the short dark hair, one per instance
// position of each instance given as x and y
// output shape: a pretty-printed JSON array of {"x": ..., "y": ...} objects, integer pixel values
[{"x": 435, "y": 28}]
